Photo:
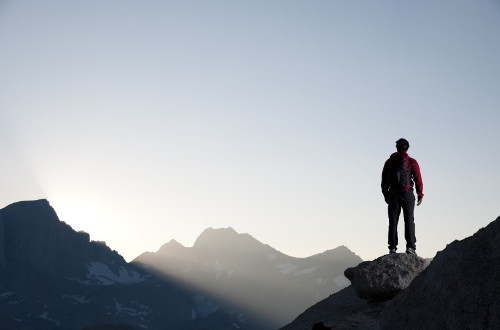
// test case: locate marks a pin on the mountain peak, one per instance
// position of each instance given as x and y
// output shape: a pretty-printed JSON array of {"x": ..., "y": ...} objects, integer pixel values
[
  {"x": 49, "y": 243},
  {"x": 37, "y": 202},
  {"x": 173, "y": 242},
  {"x": 211, "y": 237},
  {"x": 340, "y": 253},
  {"x": 172, "y": 246},
  {"x": 228, "y": 231},
  {"x": 36, "y": 213}
]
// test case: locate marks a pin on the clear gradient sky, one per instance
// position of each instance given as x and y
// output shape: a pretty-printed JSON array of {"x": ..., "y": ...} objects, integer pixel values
[{"x": 146, "y": 121}]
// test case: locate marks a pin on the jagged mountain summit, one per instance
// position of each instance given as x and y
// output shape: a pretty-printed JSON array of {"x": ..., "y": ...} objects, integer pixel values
[
  {"x": 52, "y": 277},
  {"x": 263, "y": 285}
]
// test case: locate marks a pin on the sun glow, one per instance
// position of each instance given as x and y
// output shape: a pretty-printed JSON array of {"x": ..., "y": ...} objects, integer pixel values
[{"x": 78, "y": 214}]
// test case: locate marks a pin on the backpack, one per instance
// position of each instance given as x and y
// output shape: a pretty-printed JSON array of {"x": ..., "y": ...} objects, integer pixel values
[{"x": 401, "y": 174}]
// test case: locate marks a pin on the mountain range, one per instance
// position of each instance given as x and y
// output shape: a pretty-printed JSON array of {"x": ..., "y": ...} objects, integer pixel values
[
  {"x": 52, "y": 277},
  {"x": 256, "y": 279}
]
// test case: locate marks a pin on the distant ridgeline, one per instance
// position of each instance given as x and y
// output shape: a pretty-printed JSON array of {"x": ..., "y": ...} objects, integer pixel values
[
  {"x": 52, "y": 277},
  {"x": 238, "y": 270}
]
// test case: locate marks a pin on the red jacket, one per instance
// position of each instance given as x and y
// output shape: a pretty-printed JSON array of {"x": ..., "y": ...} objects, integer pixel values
[{"x": 416, "y": 177}]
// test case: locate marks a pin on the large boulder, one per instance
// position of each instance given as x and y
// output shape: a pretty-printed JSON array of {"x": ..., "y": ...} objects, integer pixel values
[
  {"x": 384, "y": 277},
  {"x": 459, "y": 290}
]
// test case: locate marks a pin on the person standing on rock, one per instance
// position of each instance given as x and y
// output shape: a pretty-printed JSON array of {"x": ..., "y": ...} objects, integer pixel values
[{"x": 399, "y": 175}]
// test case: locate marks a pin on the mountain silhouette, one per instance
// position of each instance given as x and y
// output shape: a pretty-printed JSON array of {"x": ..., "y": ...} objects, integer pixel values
[
  {"x": 266, "y": 287},
  {"x": 52, "y": 277}
]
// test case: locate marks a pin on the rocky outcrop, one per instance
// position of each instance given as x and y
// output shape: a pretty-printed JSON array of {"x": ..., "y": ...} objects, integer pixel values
[
  {"x": 384, "y": 277},
  {"x": 459, "y": 290},
  {"x": 343, "y": 310}
]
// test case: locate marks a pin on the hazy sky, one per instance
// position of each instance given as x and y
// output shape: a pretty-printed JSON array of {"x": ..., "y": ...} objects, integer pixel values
[{"x": 146, "y": 121}]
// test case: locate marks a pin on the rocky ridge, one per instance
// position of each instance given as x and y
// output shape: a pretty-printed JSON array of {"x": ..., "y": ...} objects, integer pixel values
[{"x": 459, "y": 289}]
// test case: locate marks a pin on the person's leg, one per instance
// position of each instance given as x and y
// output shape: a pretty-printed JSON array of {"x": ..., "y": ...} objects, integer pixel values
[
  {"x": 394, "y": 210},
  {"x": 408, "y": 206}
]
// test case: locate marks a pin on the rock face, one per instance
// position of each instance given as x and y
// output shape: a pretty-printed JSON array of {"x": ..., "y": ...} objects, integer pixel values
[
  {"x": 459, "y": 290},
  {"x": 343, "y": 310},
  {"x": 384, "y": 277}
]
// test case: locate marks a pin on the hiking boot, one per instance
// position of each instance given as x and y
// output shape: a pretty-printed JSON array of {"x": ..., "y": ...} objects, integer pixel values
[
  {"x": 410, "y": 250},
  {"x": 392, "y": 250}
]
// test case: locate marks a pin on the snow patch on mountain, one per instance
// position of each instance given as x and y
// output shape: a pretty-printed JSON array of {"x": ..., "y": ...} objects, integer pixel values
[
  {"x": 216, "y": 265},
  {"x": 104, "y": 275},
  {"x": 6, "y": 295},
  {"x": 309, "y": 270},
  {"x": 289, "y": 268},
  {"x": 213, "y": 267},
  {"x": 45, "y": 316},
  {"x": 286, "y": 268},
  {"x": 78, "y": 299},
  {"x": 203, "y": 306},
  {"x": 140, "y": 310}
]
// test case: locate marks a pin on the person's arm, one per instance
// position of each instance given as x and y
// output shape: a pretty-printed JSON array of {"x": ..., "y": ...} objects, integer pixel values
[
  {"x": 419, "y": 186},
  {"x": 385, "y": 185}
]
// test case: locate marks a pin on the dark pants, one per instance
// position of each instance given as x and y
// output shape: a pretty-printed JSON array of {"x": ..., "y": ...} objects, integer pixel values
[{"x": 402, "y": 201}]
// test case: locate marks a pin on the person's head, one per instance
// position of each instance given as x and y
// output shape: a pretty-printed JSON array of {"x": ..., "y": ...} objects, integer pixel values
[{"x": 402, "y": 145}]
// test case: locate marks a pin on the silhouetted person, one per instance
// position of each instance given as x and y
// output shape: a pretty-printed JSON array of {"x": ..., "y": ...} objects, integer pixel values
[{"x": 399, "y": 175}]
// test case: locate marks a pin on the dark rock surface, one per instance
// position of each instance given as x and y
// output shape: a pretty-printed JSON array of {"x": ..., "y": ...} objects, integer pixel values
[
  {"x": 343, "y": 310},
  {"x": 459, "y": 290},
  {"x": 3, "y": 261},
  {"x": 320, "y": 326},
  {"x": 384, "y": 277}
]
